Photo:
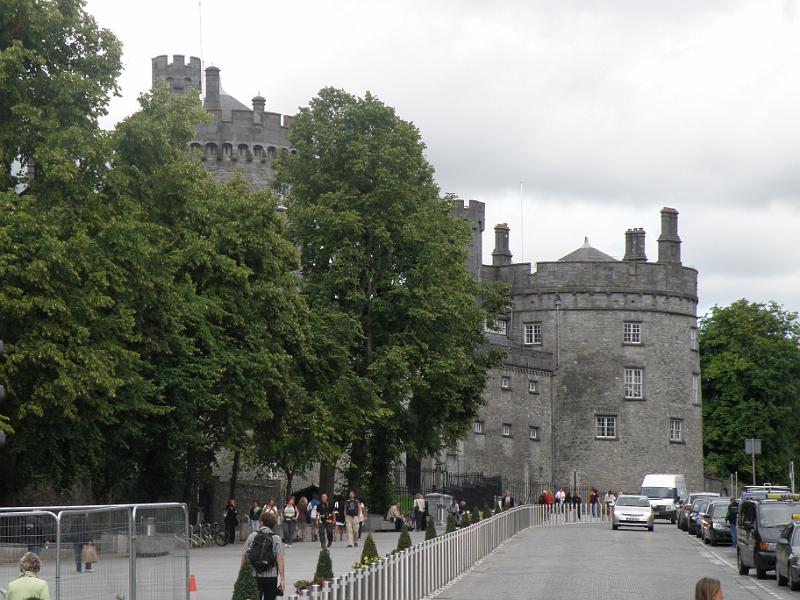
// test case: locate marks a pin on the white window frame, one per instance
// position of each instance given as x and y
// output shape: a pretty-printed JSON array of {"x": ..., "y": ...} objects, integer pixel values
[
  {"x": 693, "y": 338},
  {"x": 634, "y": 383},
  {"x": 632, "y": 332},
  {"x": 533, "y": 433},
  {"x": 676, "y": 430},
  {"x": 533, "y": 386},
  {"x": 695, "y": 388},
  {"x": 505, "y": 382},
  {"x": 500, "y": 327},
  {"x": 506, "y": 429},
  {"x": 605, "y": 427},
  {"x": 532, "y": 334},
  {"x": 478, "y": 427}
]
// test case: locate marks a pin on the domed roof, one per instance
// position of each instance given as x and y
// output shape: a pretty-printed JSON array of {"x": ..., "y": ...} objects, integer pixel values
[{"x": 587, "y": 253}]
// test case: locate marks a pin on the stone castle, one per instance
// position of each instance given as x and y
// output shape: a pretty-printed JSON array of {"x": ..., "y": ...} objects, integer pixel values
[{"x": 600, "y": 384}]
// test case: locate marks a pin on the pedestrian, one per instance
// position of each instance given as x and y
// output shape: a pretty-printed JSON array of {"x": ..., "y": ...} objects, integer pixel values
[
  {"x": 255, "y": 513},
  {"x": 313, "y": 517},
  {"x": 708, "y": 589},
  {"x": 395, "y": 516},
  {"x": 362, "y": 516},
  {"x": 272, "y": 508},
  {"x": 231, "y": 520},
  {"x": 302, "y": 517},
  {"x": 289, "y": 521},
  {"x": 28, "y": 586},
  {"x": 272, "y": 581},
  {"x": 453, "y": 510},
  {"x": 609, "y": 500},
  {"x": 34, "y": 534},
  {"x": 560, "y": 496},
  {"x": 80, "y": 534},
  {"x": 352, "y": 510},
  {"x": 338, "y": 519},
  {"x": 325, "y": 520},
  {"x": 542, "y": 499},
  {"x": 420, "y": 510},
  {"x": 733, "y": 512},
  {"x": 594, "y": 499},
  {"x": 507, "y": 501},
  {"x": 568, "y": 500},
  {"x": 576, "y": 502}
]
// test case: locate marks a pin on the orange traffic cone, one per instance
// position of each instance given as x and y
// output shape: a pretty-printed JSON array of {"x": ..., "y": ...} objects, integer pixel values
[{"x": 192, "y": 588}]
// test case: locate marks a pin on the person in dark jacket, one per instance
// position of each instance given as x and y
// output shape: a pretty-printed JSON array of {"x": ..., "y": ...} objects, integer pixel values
[
  {"x": 733, "y": 513},
  {"x": 80, "y": 533},
  {"x": 34, "y": 534},
  {"x": 231, "y": 518}
]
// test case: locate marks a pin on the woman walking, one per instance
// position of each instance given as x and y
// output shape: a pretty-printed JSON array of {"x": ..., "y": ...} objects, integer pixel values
[
  {"x": 289, "y": 521},
  {"x": 302, "y": 517},
  {"x": 231, "y": 519}
]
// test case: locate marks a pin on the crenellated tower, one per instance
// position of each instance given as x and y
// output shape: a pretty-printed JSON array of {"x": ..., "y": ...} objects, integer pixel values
[{"x": 179, "y": 75}]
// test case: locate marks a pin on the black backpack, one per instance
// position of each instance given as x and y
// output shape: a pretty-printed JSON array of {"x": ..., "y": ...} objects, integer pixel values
[
  {"x": 261, "y": 554},
  {"x": 351, "y": 508}
]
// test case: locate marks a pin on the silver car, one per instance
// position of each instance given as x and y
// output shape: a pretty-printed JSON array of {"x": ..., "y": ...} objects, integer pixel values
[{"x": 632, "y": 511}]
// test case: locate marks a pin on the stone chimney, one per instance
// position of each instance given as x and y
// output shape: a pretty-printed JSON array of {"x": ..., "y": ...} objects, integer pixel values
[
  {"x": 259, "y": 103},
  {"x": 669, "y": 244},
  {"x": 212, "y": 88},
  {"x": 635, "y": 245},
  {"x": 501, "y": 255}
]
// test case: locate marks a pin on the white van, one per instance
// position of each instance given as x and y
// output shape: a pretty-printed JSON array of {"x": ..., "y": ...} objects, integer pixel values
[{"x": 664, "y": 492}]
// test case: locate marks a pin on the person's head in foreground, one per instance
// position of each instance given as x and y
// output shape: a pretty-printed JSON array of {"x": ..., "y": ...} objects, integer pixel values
[{"x": 708, "y": 589}]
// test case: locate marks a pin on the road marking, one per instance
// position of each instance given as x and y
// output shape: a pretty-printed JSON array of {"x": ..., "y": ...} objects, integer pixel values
[{"x": 751, "y": 585}]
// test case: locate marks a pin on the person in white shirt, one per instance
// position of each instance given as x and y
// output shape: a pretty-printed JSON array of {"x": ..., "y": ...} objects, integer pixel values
[
  {"x": 420, "y": 512},
  {"x": 289, "y": 521}
]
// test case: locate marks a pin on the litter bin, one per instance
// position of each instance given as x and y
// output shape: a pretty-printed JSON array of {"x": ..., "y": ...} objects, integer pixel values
[
  {"x": 150, "y": 526},
  {"x": 437, "y": 506}
]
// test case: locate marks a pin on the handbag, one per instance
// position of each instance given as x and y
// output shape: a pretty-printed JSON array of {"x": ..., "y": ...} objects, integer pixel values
[{"x": 89, "y": 554}]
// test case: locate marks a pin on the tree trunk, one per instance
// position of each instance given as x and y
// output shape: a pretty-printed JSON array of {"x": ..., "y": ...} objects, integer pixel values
[
  {"x": 327, "y": 474},
  {"x": 189, "y": 486},
  {"x": 237, "y": 456},
  {"x": 357, "y": 465},
  {"x": 289, "y": 479}
]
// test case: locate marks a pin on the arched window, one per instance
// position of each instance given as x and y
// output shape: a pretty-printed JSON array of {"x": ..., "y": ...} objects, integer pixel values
[
  {"x": 211, "y": 152},
  {"x": 258, "y": 153},
  {"x": 272, "y": 153},
  {"x": 227, "y": 151},
  {"x": 244, "y": 152}
]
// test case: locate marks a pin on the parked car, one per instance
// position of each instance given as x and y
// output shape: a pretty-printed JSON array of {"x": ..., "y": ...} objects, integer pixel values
[
  {"x": 758, "y": 528},
  {"x": 714, "y": 525},
  {"x": 698, "y": 506},
  {"x": 787, "y": 551},
  {"x": 685, "y": 507},
  {"x": 762, "y": 491},
  {"x": 633, "y": 511},
  {"x": 664, "y": 492}
]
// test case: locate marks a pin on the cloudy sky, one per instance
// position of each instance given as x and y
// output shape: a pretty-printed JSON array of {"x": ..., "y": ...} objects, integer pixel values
[{"x": 606, "y": 111}]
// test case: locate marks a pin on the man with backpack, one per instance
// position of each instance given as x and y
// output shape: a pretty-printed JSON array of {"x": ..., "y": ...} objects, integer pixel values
[
  {"x": 325, "y": 517},
  {"x": 352, "y": 509},
  {"x": 264, "y": 551}
]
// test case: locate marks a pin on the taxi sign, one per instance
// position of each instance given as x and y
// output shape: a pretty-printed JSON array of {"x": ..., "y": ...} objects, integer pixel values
[
  {"x": 784, "y": 496},
  {"x": 795, "y": 516}
]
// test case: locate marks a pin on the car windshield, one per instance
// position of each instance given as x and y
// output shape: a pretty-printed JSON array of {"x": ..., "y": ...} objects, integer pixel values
[
  {"x": 777, "y": 515},
  {"x": 632, "y": 501},
  {"x": 719, "y": 510},
  {"x": 658, "y": 492}
]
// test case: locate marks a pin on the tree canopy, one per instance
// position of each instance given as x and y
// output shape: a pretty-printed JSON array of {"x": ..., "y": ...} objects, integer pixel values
[
  {"x": 383, "y": 268},
  {"x": 750, "y": 364}
]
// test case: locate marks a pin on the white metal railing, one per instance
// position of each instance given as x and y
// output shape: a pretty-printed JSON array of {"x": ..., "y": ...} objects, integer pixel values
[{"x": 428, "y": 566}]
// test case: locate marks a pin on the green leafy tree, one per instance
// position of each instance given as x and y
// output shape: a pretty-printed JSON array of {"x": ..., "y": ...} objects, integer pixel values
[
  {"x": 382, "y": 258},
  {"x": 404, "y": 540},
  {"x": 750, "y": 365},
  {"x": 430, "y": 530},
  {"x": 370, "y": 550},
  {"x": 451, "y": 524},
  {"x": 245, "y": 587},
  {"x": 324, "y": 571}
]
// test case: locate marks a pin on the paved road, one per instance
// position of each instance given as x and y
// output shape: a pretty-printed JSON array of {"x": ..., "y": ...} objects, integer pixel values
[{"x": 567, "y": 562}]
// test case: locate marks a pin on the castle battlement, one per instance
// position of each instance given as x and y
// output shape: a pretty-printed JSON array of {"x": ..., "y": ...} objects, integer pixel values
[{"x": 179, "y": 75}]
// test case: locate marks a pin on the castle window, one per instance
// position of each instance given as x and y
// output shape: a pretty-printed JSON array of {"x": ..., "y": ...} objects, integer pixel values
[
  {"x": 533, "y": 387},
  {"x": 533, "y": 433},
  {"x": 632, "y": 333},
  {"x": 675, "y": 430},
  {"x": 211, "y": 151},
  {"x": 634, "y": 384},
  {"x": 533, "y": 334},
  {"x": 695, "y": 388},
  {"x": 478, "y": 427},
  {"x": 227, "y": 151},
  {"x": 244, "y": 152},
  {"x": 258, "y": 153},
  {"x": 605, "y": 427},
  {"x": 693, "y": 338},
  {"x": 505, "y": 382},
  {"x": 272, "y": 153},
  {"x": 499, "y": 326},
  {"x": 506, "y": 429}
]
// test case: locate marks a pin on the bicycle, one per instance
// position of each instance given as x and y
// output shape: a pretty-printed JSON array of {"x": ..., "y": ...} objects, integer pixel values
[{"x": 212, "y": 532}]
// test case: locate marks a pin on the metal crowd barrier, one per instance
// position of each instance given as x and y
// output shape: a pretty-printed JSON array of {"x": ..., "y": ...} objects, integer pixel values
[
  {"x": 142, "y": 550},
  {"x": 427, "y": 567}
]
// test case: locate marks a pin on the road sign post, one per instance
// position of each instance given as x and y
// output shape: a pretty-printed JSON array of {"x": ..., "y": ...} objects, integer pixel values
[{"x": 752, "y": 446}]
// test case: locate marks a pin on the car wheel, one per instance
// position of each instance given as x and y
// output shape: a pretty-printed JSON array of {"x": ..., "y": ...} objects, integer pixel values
[
  {"x": 793, "y": 585},
  {"x": 743, "y": 570},
  {"x": 672, "y": 520},
  {"x": 651, "y": 527},
  {"x": 781, "y": 579},
  {"x": 761, "y": 574},
  {"x": 614, "y": 526}
]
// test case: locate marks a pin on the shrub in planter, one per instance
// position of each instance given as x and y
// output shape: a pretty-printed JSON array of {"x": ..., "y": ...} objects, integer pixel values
[
  {"x": 324, "y": 566},
  {"x": 370, "y": 550},
  {"x": 245, "y": 587},
  {"x": 430, "y": 530},
  {"x": 476, "y": 516},
  {"x": 486, "y": 512},
  {"x": 451, "y": 524},
  {"x": 404, "y": 541}
]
